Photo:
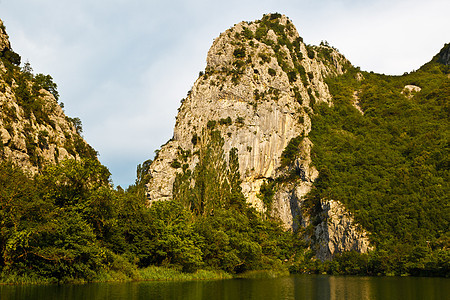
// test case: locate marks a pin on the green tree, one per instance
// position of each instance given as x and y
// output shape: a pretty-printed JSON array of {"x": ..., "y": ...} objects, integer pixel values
[
  {"x": 20, "y": 208},
  {"x": 230, "y": 235},
  {"x": 174, "y": 242},
  {"x": 45, "y": 82},
  {"x": 71, "y": 181},
  {"x": 44, "y": 236}
]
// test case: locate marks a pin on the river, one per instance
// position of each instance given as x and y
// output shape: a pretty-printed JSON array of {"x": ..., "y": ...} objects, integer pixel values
[{"x": 293, "y": 287}]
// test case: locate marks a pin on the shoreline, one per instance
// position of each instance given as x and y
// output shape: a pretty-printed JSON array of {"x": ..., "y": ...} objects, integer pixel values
[{"x": 165, "y": 274}]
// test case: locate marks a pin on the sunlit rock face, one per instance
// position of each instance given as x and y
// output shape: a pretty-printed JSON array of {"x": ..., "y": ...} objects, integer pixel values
[
  {"x": 258, "y": 89},
  {"x": 338, "y": 232},
  {"x": 4, "y": 40},
  {"x": 34, "y": 131}
]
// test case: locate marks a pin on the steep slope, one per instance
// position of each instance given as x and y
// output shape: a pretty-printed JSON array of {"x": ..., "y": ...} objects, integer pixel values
[
  {"x": 259, "y": 87},
  {"x": 440, "y": 63},
  {"x": 34, "y": 130},
  {"x": 443, "y": 57},
  {"x": 388, "y": 160}
]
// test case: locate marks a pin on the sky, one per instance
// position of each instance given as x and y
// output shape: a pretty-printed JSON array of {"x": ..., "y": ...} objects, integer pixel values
[{"x": 122, "y": 66}]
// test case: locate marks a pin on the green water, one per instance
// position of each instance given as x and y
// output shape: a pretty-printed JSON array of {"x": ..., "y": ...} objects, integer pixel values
[{"x": 294, "y": 287}]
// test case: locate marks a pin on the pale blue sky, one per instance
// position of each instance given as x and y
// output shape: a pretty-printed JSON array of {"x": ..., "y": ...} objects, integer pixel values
[{"x": 122, "y": 66}]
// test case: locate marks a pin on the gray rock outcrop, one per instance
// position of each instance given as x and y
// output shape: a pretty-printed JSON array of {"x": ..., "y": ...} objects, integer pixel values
[
  {"x": 34, "y": 131},
  {"x": 4, "y": 39},
  {"x": 338, "y": 232},
  {"x": 258, "y": 89},
  {"x": 266, "y": 108}
]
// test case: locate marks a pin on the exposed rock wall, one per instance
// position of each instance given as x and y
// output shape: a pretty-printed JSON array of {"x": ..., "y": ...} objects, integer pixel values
[
  {"x": 289, "y": 196},
  {"x": 265, "y": 107},
  {"x": 338, "y": 232},
  {"x": 258, "y": 89},
  {"x": 4, "y": 40},
  {"x": 34, "y": 130}
]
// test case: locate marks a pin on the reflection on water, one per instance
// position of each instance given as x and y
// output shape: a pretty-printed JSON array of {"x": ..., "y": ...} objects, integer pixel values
[
  {"x": 294, "y": 287},
  {"x": 346, "y": 287}
]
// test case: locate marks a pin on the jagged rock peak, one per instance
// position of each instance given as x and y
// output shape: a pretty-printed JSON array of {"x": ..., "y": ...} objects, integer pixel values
[
  {"x": 258, "y": 87},
  {"x": 258, "y": 90},
  {"x": 268, "y": 30},
  {"x": 274, "y": 41},
  {"x": 4, "y": 39}
]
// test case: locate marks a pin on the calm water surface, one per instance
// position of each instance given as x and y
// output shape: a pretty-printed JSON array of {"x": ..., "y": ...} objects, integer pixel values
[{"x": 294, "y": 287}]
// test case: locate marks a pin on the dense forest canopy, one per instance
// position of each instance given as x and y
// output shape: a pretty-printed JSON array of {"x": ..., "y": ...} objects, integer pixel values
[{"x": 390, "y": 164}]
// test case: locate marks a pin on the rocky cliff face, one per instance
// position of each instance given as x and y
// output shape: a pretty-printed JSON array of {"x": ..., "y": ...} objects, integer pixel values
[
  {"x": 444, "y": 55},
  {"x": 337, "y": 232},
  {"x": 34, "y": 130},
  {"x": 258, "y": 89},
  {"x": 4, "y": 41}
]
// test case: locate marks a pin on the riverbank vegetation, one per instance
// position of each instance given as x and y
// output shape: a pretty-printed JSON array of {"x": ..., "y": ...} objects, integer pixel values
[{"x": 67, "y": 225}]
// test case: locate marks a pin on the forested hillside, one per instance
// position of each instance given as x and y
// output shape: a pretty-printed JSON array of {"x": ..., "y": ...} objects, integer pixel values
[{"x": 383, "y": 150}]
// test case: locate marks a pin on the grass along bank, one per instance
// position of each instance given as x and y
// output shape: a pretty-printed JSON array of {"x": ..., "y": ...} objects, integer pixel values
[{"x": 152, "y": 273}]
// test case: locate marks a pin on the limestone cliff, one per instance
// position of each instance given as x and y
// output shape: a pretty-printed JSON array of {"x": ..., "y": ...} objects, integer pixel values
[
  {"x": 258, "y": 89},
  {"x": 4, "y": 41},
  {"x": 34, "y": 131},
  {"x": 337, "y": 231}
]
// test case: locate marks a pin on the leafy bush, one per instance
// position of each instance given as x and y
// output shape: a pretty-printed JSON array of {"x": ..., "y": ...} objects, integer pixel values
[
  {"x": 265, "y": 57},
  {"x": 311, "y": 52},
  {"x": 195, "y": 139},
  {"x": 239, "y": 53},
  {"x": 266, "y": 193},
  {"x": 290, "y": 152},
  {"x": 292, "y": 76},
  {"x": 225, "y": 121},
  {"x": 271, "y": 72},
  {"x": 175, "y": 164},
  {"x": 211, "y": 124},
  {"x": 261, "y": 32},
  {"x": 76, "y": 122},
  {"x": 298, "y": 96},
  {"x": 45, "y": 82},
  {"x": 248, "y": 34},
  {"x": 11, "y": 57}
]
